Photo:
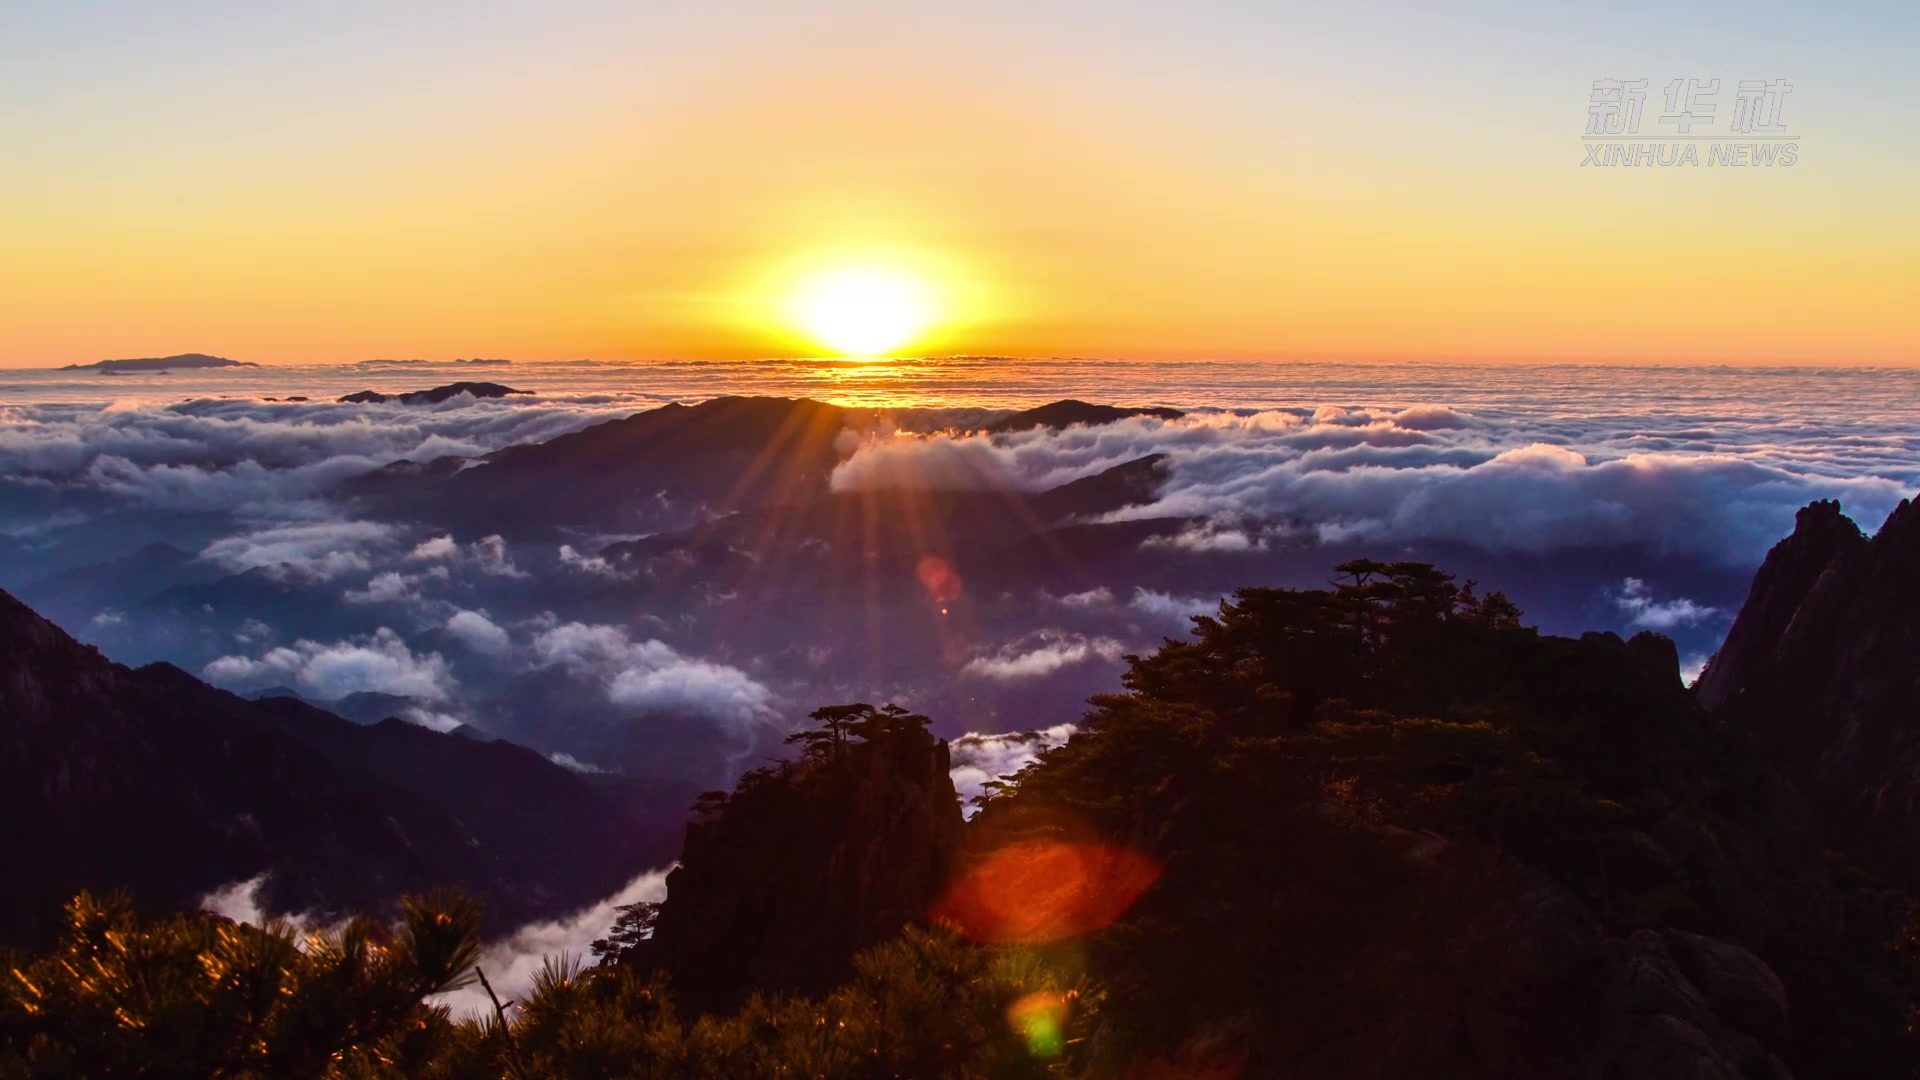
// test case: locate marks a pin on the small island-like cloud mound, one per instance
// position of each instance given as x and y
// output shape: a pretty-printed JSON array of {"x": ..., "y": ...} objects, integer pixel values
[{"x": 182, "y": 362}]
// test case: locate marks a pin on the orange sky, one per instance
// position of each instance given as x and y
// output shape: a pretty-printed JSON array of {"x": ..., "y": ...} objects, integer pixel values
[{"x": 594, "y": 181}]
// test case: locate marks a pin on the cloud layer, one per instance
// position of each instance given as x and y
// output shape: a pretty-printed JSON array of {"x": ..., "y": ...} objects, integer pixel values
[
  {"x": 379, "y": 662},
  {"x": 1425, "y": 473},
  {"x": 653, "y": 675}
]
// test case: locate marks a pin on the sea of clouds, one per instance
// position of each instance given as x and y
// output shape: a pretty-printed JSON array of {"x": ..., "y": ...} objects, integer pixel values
[
  {"x": 1705, "y": 465},
  {"x": 1528, "y": 459},
  {"x": 1424, "y": 473}
]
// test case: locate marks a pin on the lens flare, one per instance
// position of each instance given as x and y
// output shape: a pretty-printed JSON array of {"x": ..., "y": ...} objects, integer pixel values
[
  {"x": 1041, "y": 1019},
  {"x": 1045, "y": 890}
]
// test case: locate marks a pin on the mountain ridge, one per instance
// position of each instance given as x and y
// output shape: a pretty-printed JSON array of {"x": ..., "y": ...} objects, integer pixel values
[{"x": 150, "y": 779}]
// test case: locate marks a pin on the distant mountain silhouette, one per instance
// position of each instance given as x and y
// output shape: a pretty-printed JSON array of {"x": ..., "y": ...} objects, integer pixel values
[
  {"x": 1068, "y": 412},
  {"x": 182, "y": 362},
  {"x": 76, "y": 595},
  {"x": 677, "y": 463},
  {"x": 434, "y": 396},
  {"x": 153, "y": 781}
]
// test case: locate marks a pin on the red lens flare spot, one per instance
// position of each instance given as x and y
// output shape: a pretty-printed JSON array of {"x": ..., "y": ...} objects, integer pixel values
[
  {"x": 939, "y": 579},
  {"x": 1046, "y": 890}
]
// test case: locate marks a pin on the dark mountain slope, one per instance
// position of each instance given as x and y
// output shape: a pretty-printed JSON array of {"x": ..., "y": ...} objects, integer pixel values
[
  {"x": 676, "y": 464},
  {"x": 882, "y": 537},
  {"x": 1823, "y": 667},
  {"x": 152, "y": 781}
]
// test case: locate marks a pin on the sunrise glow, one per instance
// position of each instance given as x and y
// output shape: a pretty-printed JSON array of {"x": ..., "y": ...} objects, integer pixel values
[{"x": 863, "y": 311}]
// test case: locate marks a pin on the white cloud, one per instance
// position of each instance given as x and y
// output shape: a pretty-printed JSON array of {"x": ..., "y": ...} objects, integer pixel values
[
  {"x": 1635, "y": 598},
  {"x": 568, "y": 761},
  {"x": 239, "y": 901},
  {"x": 431, "y": 719},
  {"x": 488, "y": 555},
  {"x": 588, "y": 564},
  {"x": 652, "y": 674},
  {"x": 479, "y": 633},
  {"x": 383, "y": 588},
  {"x": 1040, "y": 654},
  {"x": 317, "y": 551},
  {"x": 512, "y": 964},
  {"x": 978, "y": 759},
  {"x": 1095, "y": 598},
  {"x": 691, "y": 686},
  {"x": 1166, "y": 607},
  {"x": 394, "y": 587},
  {"x": 379, "y": 662},
  {"x": 1222, "y": 533},
  {"x": 434, "y": 549}
]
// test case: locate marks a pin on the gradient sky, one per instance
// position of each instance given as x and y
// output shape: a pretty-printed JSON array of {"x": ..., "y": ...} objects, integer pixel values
[{"x": 334, "y": 182}]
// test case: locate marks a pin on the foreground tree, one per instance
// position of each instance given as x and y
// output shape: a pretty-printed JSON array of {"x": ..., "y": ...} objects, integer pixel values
[{"x": 194, "y": 995}]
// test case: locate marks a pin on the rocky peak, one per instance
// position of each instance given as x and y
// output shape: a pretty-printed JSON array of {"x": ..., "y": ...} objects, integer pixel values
[
  {"x": 1822, "y": 537},
  {"x": 1657, "y": 653},
  {"x": 1823, "y": 667},
  {"x": 807, "y": 863}
]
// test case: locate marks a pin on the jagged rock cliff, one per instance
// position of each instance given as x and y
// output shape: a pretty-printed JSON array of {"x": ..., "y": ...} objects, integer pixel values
[
  {"x": 804, "y": 865},
  {"x": 1823, "y": 667}
]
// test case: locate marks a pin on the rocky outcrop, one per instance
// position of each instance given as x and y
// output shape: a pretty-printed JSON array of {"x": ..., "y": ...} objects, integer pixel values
[
  {"x": 805, "y": 865},
  {"x": 1823, "y": 667},
  {"x": 1823, "y": 539},
  {"x": 434, "y": 396}
]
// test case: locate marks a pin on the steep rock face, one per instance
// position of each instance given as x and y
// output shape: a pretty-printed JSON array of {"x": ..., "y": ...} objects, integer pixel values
[
  {"x": 1823, "y": 666},
  {"x": 1823, "y": 538},
  {"x": 805, "y": 866},
  {"x": 154, "y": 782}
]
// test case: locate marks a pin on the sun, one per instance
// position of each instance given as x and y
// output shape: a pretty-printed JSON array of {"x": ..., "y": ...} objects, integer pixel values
[{"x": 864, "y": 311}]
